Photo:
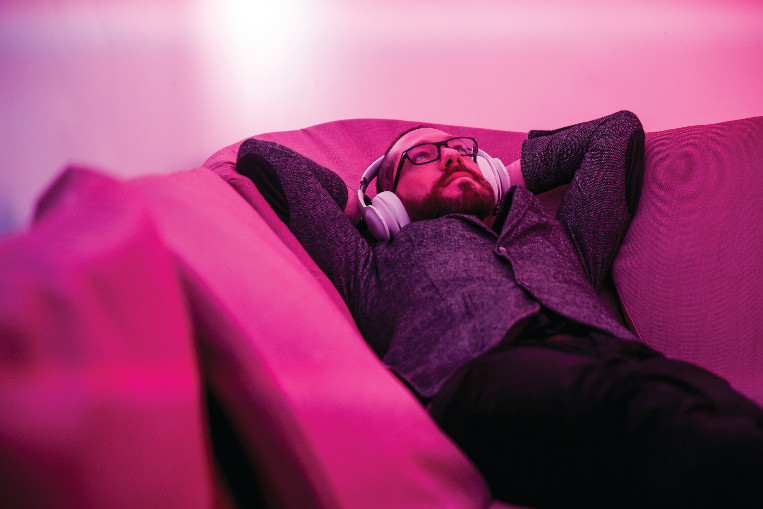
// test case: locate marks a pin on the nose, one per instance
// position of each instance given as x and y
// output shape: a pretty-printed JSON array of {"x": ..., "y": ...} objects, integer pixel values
[{"x": 449, "y": 156}]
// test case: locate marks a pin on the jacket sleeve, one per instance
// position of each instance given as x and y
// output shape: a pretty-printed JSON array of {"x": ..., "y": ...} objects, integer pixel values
[
  {"x": 310, "y": 200},
  {"x": 603, "y": 163}
]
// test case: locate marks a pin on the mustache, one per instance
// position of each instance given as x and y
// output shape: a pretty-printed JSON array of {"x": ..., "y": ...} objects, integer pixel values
[{"x": 459, "y": 168}]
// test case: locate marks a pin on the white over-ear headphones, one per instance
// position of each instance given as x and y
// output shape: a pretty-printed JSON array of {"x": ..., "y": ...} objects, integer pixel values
[{"x": 386, "y": 214}]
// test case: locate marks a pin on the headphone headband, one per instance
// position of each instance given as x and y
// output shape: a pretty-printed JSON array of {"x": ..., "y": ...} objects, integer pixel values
[{"x": 371, "y": 173}]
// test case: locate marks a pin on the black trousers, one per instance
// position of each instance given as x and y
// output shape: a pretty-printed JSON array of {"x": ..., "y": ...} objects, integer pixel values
[{"x": 600, "y": 422}]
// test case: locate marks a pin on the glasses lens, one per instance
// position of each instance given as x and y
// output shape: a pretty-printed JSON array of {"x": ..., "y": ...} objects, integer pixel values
[
  {"x": 464, "y": 146},
  {"x": 422, "y": 154}
]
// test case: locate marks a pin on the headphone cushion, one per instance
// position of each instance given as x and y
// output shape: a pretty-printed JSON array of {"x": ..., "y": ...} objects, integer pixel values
[
  {"x": 389, "y": 207},
  {"x": 494, "y": 172},
  {"x": 376, "y": 224},
  {"x": 489, "y": 174}
]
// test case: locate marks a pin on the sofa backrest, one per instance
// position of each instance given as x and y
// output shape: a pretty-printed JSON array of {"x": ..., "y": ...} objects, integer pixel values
[{"x": 690, "y": 272}]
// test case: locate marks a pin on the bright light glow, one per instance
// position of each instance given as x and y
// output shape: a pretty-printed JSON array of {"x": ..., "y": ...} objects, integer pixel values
[
  {"x": 262, "y": 54},
  {"x": 261, "y": 34}
]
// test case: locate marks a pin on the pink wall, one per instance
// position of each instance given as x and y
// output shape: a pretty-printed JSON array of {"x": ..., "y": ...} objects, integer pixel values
[{"x": 155, "y": 86}]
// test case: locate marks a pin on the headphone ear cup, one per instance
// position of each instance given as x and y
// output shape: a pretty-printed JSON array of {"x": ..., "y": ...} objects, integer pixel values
[
  {"x": 376, "y": 223},
  {"x": 489, "y": 174},
  {"x": 387, "y": 209},
  {"x": 494, "y": 172}
]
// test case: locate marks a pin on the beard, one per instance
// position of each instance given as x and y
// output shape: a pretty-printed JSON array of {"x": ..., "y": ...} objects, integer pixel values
[{"x": 476, "y": 198}]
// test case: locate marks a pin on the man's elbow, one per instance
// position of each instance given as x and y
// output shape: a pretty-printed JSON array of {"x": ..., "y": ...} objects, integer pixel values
[{"x": 629, "y": 120}]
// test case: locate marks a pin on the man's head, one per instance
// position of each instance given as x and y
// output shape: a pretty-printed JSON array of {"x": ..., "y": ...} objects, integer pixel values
[{"x": 451, "y": 183}]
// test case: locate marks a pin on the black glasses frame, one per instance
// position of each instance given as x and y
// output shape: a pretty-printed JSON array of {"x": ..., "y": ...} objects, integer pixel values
[{"x": 438, "y": 144}]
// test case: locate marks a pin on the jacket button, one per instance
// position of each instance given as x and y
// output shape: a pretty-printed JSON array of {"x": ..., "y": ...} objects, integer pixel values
[{"x": 502, "y": 251}]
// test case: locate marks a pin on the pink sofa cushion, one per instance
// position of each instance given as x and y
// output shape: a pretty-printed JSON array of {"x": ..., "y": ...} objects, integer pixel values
[
  {"x": 99, "y": 394},
  {"x": 690, "y": 273},
  {"x": 321, "y": 419}
]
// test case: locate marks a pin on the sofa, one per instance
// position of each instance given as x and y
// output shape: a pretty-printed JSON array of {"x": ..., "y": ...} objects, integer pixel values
[{"x": 166, "y": 342}]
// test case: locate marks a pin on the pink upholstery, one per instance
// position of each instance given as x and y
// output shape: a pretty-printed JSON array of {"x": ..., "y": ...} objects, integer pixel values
[
  {"x": 324, "y": 422},
  {"x": 99, "y": 394},
  {"x": 690, "y": 273}
]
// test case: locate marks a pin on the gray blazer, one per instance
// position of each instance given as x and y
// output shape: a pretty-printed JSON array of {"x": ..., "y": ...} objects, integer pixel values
[{"x": 444, "y": 291}]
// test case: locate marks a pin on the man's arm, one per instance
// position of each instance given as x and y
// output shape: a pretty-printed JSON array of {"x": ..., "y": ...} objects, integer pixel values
[
  {"x": 603, "y": 161},
  {"x": 310, "y": 200}
]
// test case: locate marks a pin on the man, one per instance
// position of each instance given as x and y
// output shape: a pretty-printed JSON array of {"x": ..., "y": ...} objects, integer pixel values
[{"x": 490, "y": 314}]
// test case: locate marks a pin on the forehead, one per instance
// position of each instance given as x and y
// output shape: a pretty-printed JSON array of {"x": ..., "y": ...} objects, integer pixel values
[{"x": 423, "y": 135}]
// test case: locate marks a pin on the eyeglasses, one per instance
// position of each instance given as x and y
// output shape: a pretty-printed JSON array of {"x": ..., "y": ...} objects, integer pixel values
[{"x": 428, "y": 152}]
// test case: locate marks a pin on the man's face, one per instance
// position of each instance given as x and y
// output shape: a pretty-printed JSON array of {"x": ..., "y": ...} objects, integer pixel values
[{"x": 451, "y": 184}]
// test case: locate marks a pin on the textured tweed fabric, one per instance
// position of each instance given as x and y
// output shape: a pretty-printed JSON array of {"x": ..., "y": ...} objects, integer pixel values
[{"x": 444, "y": 291}]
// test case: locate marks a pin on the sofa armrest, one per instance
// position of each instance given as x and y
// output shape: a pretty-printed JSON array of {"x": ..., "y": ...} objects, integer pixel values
[
  {"x": 99, "y": 389},
  {"x": 690, "y": 272},
  {"x": 321, "y": 420}
]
